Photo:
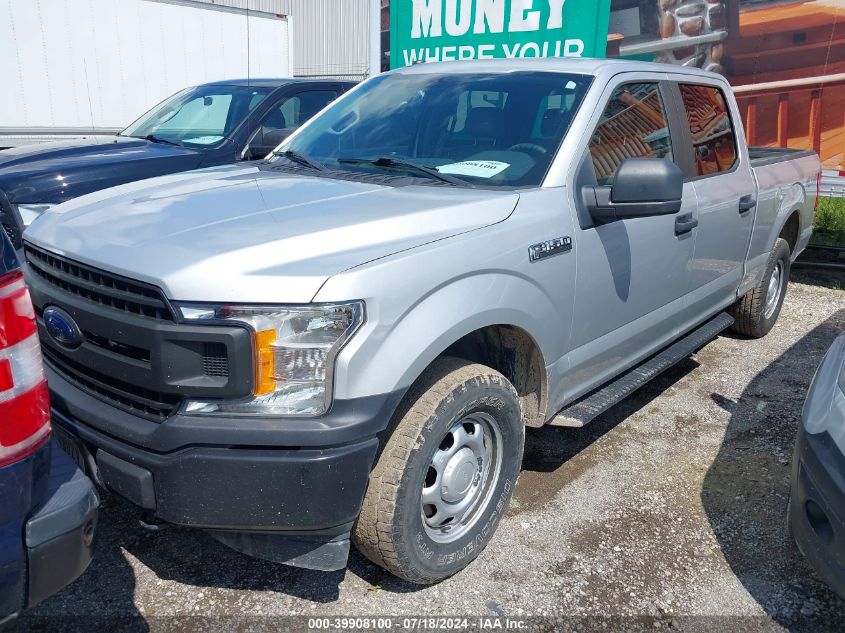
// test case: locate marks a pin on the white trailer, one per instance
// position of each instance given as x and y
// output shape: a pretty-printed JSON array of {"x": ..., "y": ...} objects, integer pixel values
[{"x": 76, "y": 68}]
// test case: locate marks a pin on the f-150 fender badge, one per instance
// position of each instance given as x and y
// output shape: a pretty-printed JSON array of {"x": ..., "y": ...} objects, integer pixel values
[{"x": 549, "y": 248}]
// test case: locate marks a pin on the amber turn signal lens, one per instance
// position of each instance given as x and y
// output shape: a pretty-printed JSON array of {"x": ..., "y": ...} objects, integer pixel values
[{"x": 265, "y": 363}]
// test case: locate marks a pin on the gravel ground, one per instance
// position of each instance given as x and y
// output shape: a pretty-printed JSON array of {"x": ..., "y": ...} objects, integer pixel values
[{"x": 668, "y": 508}]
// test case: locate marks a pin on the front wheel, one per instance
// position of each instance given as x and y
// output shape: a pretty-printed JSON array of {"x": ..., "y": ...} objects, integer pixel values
[
  {"x": 755, "y": 313},
  {"x": 446, "y": 474}
]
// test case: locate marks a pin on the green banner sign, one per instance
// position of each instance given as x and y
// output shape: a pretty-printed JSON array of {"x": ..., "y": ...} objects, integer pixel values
[{"x": 448, "y": 30}]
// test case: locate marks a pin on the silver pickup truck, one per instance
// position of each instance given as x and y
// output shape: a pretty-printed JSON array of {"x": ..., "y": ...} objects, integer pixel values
[{"x": 345, "y": 342}]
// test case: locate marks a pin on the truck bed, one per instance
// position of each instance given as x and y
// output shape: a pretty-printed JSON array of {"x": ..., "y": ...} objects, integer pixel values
[
  {"x": 769, "y": 155},
  {"x": 786, "y": 183}
]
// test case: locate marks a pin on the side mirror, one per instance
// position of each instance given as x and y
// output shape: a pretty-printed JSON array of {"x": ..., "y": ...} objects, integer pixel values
[
  {"x": 274, "y": 136},
  {"x": 265, "y": 141},
  {"x": 642, "y": 187}
]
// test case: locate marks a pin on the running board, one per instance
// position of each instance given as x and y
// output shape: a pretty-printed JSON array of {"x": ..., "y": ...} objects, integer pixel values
[{"x": 582, "y": 411}]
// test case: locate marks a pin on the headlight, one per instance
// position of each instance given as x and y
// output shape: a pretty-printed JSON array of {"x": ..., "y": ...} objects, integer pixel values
[
  {"x": 31, "y": 212},
  {"x": 295, "y": 349}
]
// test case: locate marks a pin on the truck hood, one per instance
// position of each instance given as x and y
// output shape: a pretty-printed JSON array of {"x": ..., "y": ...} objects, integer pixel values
[
  {"x": 59, "y": 171},
  {"x": 245, "y": 234}
]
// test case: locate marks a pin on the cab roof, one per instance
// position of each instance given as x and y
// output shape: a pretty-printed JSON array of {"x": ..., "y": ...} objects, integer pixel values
[
  {"x": 580, "y": 65},
  {"x": 269, "y": 82}
]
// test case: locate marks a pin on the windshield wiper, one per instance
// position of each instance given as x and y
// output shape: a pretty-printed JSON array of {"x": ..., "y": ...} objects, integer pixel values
[
  {"x": 302, "y": 159},
  {"x": 155, "y": 139},
  {"x": 389, "y": 161}
]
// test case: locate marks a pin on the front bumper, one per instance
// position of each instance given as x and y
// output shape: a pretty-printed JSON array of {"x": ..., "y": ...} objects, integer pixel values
[
  {"x": 817, "y": 506},
  {"x": 59, "y": 535},
  {"x": 285, "y": 489}
]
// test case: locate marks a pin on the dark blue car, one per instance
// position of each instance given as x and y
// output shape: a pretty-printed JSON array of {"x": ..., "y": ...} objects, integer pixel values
[
  {"x": 48, "y": 508},
  {"x": 207, "y": 125}
]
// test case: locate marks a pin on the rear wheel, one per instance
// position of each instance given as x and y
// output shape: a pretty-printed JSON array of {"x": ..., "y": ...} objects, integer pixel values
[
  {"x": 445, "y": 476},
  {"x": 755, "y": 314}
]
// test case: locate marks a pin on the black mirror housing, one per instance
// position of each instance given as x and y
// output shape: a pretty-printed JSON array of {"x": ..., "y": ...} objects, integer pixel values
[
  {"x": 265, "y": 141},
  {"x": 642, "y": 187},
  {"x": 273, "y": 137},
  {"x": 647, "y": 180}
]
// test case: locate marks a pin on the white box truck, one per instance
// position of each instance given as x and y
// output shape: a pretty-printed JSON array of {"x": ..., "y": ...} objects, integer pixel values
[{"x": 70, "y": 68}]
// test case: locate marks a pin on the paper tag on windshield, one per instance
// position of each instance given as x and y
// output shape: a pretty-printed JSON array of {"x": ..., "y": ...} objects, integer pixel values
[
  {"x": 204, "y": 140},
  {"x": 477, "y": 168}
]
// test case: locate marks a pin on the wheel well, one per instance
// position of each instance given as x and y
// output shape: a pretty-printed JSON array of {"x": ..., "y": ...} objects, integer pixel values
[
  {"x": 514, "y": 353},
  {"x": 789, "y": 232}
]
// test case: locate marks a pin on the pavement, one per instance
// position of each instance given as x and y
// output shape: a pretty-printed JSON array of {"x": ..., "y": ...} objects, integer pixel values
[{"x": 667, "y": 513}]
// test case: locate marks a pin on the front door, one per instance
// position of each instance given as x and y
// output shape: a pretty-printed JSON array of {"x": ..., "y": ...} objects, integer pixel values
[{"x": 632, "y": 275}]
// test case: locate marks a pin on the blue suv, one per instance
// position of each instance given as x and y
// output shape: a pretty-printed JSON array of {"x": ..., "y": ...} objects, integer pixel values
[{"x": 202, "y": 126}]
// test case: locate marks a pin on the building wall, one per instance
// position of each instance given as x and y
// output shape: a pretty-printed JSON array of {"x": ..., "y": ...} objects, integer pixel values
[
  {"x": 330, "y": 38},
  {"x": 385, "y": 15}
]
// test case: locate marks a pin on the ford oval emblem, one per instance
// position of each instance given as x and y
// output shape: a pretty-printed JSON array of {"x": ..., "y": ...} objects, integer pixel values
[{"x": 62, "y": 328}]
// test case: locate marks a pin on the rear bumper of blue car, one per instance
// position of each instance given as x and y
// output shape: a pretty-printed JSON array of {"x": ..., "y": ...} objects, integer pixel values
[
  {"x": 48, "y": 547},
  {"x": 60, "y": 533}
]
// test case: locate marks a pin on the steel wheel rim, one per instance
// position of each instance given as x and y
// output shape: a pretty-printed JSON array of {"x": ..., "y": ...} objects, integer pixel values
[
  {"x": 461, "y": 477},
  {"x": 773, "y": 292}
]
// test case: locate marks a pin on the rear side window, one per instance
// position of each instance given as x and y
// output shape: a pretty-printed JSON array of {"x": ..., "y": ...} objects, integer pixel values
[
  {"x": 633, "y": 125},
  {"x": 712, "y": 132}
]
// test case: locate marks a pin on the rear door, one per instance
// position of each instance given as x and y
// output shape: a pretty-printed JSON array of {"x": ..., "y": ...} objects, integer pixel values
[
  {"x": 633, "y": 274},
  {"x": 725, "y": 189}
]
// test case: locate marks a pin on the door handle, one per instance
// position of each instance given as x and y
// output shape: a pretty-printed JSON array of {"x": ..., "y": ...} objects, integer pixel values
[
  {"x": 685, "y": 223},
  {"x": 746, "y": 203}
]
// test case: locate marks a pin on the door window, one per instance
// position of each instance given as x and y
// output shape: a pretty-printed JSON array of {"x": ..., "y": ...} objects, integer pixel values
[
  {"x": 633, "y": 125},
  {"x": 284, "y": 118},
  {"x": 297, "y": 109},
  {"x": 710, "y": 125}
]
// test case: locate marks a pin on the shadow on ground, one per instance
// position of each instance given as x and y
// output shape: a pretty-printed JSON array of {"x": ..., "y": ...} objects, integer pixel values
[
  {"x": 746, "y": 488},
  {"x": 548, "y": 464}
]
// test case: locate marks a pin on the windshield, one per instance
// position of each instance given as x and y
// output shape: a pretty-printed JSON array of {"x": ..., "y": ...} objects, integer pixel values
[
  {"x": 203, "y": 115},
  {"x": 497, "y": 129}
]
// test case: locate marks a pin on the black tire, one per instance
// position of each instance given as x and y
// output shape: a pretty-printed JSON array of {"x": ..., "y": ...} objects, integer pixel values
[
  {"x": 391, "y": 530},
  {"x": 749, "y": 312}
]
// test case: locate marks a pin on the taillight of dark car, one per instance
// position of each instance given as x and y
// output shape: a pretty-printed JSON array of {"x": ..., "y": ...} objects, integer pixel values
[{"x": 24, "y": 399}]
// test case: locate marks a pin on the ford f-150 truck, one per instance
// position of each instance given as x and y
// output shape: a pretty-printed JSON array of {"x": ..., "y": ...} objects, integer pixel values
[
  {"x": 345, "y": 342},
  {"x": 202, "y": 126}
]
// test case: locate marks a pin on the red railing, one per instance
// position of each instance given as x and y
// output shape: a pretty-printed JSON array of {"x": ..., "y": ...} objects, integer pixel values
[{"x": 750, "y": 96}]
